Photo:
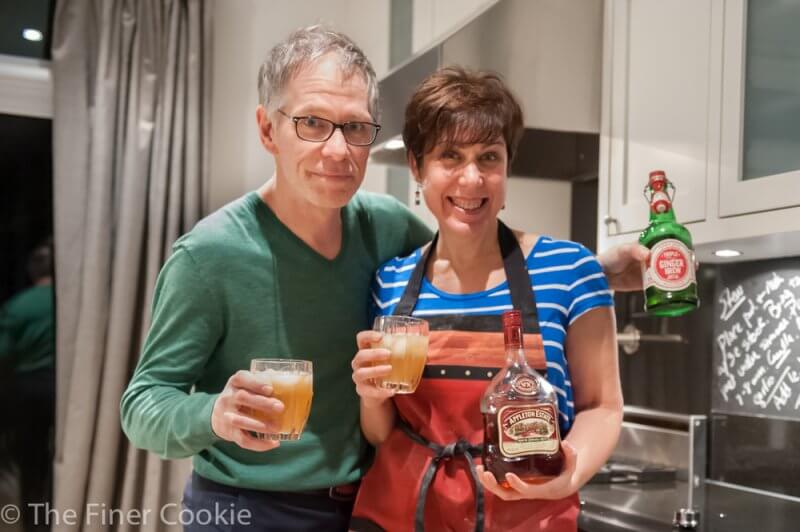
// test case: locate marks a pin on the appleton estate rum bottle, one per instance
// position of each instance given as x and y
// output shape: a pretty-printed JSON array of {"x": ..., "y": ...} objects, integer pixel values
[
  {"x": 670, "y": 288},
  {"x": 520, "y": 417}
]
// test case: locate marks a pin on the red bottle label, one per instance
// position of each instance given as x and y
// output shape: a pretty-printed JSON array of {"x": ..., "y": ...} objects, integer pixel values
[
  {"x": 671, "y": 266},
  {"x": 529, "y": 429}
]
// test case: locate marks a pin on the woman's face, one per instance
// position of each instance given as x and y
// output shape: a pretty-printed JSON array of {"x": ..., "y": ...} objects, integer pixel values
[{"x": 464, "y": 186}]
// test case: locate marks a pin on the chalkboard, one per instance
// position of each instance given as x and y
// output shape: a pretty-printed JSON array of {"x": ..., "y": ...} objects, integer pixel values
[{"x": 756, "y": 332}]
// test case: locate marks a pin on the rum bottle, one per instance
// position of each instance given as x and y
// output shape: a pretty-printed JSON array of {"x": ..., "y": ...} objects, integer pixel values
[{"x": 520, "y": 416}]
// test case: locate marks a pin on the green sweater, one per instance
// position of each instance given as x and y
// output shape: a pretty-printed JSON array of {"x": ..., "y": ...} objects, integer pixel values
[
  {"x": 27, "y": 334},
  {"x": 240, "y": 286}
]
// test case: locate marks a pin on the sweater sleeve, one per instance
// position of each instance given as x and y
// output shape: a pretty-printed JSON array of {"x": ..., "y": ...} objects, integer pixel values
[{"x": 158, "y": 411}]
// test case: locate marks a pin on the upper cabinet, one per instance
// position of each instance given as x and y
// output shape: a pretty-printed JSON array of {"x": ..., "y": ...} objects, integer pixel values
[
  {"x": 709, "y": 92},
  {"x": 760, "y": 148},
  {"x": 655, "y": 113}
]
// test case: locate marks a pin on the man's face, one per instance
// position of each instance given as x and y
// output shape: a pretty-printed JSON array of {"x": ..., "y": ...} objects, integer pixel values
[{"x": 326, "y": 174}]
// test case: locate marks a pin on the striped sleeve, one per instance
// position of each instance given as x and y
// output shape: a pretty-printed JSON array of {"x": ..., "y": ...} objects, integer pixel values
[
  {"x": 389, "y": 283},
  {"x": 589, "y": 288}
]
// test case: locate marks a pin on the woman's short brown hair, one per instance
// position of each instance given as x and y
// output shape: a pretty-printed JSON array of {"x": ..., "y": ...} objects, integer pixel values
[{"x": 458, "y": 106}]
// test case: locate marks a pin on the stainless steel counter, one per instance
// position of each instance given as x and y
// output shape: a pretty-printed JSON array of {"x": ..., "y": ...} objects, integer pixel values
[
  {"x": 641, "y": 507},
  {"x": 650, "y": 507}
]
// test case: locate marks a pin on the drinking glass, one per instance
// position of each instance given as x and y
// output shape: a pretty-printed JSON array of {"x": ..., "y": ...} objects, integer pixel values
[
  {"x": 292, "y": 384},
  {"x": 407, "y": 339}
]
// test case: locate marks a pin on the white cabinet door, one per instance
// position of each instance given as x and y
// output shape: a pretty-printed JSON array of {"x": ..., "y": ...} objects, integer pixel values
[
  {"x": 760, "y": 144},
  {"x": 656, "y": 106}
]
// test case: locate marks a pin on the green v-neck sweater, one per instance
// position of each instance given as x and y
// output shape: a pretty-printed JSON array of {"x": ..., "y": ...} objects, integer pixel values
[{"x": 240, "y": 286}]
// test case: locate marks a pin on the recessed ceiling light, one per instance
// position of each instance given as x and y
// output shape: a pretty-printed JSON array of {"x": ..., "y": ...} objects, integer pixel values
[
  {"x": 32, "y": 34},
  {"x": 727, "y": 253},
  {"x": 394, "y": 144}
]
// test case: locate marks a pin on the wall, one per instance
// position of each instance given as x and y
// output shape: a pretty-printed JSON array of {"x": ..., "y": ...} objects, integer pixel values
[
  {"x": 244, "y": 31},
  {"x": 535, "y": 205}
]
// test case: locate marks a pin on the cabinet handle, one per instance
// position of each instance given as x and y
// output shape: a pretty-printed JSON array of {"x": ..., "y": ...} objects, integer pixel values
[{"x": 608, "y": 219}]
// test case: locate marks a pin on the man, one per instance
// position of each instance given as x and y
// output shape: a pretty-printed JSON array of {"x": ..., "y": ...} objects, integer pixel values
[{"x": 281, "y": 272}]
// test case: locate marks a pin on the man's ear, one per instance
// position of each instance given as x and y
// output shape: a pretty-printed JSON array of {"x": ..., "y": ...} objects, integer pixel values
[{"x": 265, "y": 130}]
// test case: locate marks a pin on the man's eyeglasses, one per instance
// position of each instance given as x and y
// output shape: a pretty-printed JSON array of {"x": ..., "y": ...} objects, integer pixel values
[{"x": 316, "y": 129}]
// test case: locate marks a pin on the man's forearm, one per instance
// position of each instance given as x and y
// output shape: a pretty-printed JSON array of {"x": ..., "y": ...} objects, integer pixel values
[{"x": 167, "y": 421}]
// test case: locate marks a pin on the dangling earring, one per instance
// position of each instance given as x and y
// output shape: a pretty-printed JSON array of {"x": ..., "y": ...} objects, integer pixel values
[{"x": 416, "y": 195}]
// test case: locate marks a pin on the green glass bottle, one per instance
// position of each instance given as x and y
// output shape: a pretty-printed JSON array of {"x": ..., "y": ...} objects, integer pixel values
[{"x": 670, "y": 287}]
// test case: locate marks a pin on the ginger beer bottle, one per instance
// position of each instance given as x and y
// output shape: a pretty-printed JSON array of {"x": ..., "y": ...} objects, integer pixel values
[
  {"x": 670, "y": 288},
  {"x": 520, "y": 417}
]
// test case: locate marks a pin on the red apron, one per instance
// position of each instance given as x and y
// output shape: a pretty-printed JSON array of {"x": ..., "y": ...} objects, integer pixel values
[{"x": 423, "y": 477}]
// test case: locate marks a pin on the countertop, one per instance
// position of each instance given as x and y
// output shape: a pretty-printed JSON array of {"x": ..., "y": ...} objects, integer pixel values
[{"x": 650, "y": 507}]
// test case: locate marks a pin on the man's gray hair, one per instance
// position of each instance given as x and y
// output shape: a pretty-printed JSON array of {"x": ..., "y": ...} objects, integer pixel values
[{"x": 301, "y": 49}]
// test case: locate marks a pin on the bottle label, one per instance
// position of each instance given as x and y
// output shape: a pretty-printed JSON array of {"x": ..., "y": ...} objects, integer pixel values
[
  {"x": 529, "y": 429},
  {"x": 671, "y": 266}
]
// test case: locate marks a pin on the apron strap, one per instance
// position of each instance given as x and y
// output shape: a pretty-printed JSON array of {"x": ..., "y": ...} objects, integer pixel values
[
  {"x": 519, "y": 281},
  {"x": 460, "y": 447},
  {"x": 410, "y": 295}
]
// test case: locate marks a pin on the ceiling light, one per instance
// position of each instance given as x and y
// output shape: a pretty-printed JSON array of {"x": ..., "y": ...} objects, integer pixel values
[
  {"x": 394, "y": 144},
  {"x": 727, "y": 253},
  {"x": 32, "y": 34}
]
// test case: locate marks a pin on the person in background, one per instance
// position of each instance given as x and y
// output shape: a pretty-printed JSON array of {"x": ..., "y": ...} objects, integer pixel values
[
  {"x": 27, "y": 381},
  {"x": 461, "y": 131}
]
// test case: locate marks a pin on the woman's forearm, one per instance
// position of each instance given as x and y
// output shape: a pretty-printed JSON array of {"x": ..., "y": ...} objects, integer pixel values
[
  {"x": 594, "y": 436},
  {"x": 377, "y": 420}
]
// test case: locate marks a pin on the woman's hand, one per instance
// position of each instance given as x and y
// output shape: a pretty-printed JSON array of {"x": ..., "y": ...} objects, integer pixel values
[
  {"x": 561, "y": 486},
  {"x": 370, "y": 364}
]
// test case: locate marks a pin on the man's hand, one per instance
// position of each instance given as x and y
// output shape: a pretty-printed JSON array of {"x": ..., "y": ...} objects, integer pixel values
[
  {"x": 232, "y": 418},
  {"x": 623, "y": 266}
]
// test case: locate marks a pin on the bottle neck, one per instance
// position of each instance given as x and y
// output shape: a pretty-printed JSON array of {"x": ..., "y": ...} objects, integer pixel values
[
  {"x": 515, "y": 354},
  {"x": 660, "y": 217},
  {"x": 661, "y": 207}
]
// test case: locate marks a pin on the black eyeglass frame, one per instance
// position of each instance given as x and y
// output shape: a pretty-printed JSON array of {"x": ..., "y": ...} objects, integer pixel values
[{"x": 296, "y": 120}]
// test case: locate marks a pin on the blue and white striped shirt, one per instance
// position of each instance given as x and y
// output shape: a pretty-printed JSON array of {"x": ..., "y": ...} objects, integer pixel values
[{"x": 565, "y": 276}]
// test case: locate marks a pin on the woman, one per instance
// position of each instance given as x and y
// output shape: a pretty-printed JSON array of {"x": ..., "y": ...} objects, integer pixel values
[{"x": 461, "y": 131}]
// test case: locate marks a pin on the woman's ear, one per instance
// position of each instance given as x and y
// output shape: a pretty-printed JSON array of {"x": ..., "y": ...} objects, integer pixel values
[{"x": 412, "y": 165}]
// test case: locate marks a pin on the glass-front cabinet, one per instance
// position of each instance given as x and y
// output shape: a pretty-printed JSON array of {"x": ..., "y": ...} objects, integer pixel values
[{"x": 760, "y": 142}]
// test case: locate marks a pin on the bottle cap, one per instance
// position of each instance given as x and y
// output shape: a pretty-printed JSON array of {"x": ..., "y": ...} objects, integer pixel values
[
  {"x": 512, "y": 318},
  {"x": 658, "y": 180}
]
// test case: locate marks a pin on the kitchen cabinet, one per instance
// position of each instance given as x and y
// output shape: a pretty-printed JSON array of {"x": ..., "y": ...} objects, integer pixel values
[
  {"x": 657, "y": 116},
  {"x": 708, "y": 91},
  {"x": 760, "y": 144}
]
